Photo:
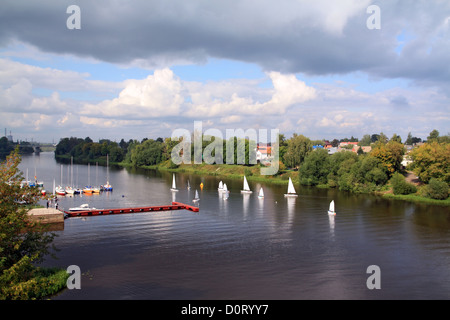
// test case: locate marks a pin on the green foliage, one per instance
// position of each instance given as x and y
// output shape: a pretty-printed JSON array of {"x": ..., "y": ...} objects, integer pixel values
[
  {"x": 344, "y": 170},
  {"x": 401, "y": 186},
  {"x": 315, "y": 168},
  {"x": 432, "y": 160},
  {"x": 148, "y": 153},
  {"x": 21, "y": 241},
  {"x": 297, "y": 149},
  {"x": 436, "y": 189},
  {"x": 86, "y": 149},
  {"x": 390, "y": 155},
  {"x": 365, "y": 141},
  {"x": 23, "y": 281}
]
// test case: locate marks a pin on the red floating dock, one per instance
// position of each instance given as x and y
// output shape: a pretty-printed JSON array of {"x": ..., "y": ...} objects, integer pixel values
[{"x": 105, "y": 212}]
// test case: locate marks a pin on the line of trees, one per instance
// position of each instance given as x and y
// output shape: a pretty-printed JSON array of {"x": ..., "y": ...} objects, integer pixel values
[
  {"x": 380, "y": 168},
  {"x": 344, "y": 170},
  {"x": 6, "y": 147}
]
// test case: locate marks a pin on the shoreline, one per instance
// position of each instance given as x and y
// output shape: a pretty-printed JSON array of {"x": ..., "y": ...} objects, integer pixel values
[
  {"x": 252, "y": 174},
  {"x": 283, "y": 178}
]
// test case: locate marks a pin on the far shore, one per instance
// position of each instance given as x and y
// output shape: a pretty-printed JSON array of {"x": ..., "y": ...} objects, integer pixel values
[{"x": 252, "y": 173}]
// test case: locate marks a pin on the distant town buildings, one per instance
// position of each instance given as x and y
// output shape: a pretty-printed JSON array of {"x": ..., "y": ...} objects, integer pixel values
[
  {"x": 9, "y": 137},
  {"x": 263, "y": 152}
]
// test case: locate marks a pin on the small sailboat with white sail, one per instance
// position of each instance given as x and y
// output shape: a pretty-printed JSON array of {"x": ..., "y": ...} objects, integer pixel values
[
  {"x": 261, "y": 193},
  {"x": 291, "y": 190},
  {"x": 174, "y": 184},
  {"x": 188, "y": 185},
  {"x": 196, "y": 198},
  {"x": 225, "y": 192},
  {"x": 246, "y": 187},
  {"x": 331, "y": 210},
  {"x": 107, "y": 186},
  {"x": 220, "y": 188}
]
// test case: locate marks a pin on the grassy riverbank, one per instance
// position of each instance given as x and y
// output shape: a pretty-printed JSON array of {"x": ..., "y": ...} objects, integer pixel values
[
  {"x": 253, "y": 174},
  {"x": 416, "y": 198}
]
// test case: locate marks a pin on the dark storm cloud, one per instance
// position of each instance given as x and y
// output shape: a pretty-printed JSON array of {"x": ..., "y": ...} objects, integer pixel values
[{"x": 321, "y": 37}]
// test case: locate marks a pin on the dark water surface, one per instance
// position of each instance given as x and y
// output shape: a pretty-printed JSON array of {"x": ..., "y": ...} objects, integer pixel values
[{"x": 245, "y": 247}]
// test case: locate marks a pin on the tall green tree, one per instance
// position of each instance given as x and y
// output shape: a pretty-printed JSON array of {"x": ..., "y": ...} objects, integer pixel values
[
  {"x": 390, "y": 155},
  {"x": 432, "y": 160},
  {"x": 22, "y": 242},
  {"x": 365, "y": 141},
  {"x": 298, "y": 148},
  {"x": 315, "y": 168},
  {"x": 434, "y": 135}
]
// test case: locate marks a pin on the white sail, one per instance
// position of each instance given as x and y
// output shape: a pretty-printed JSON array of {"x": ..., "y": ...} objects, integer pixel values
[
  {"x": 220, "y": 186},
  {"x": 331, "y": 209},
  {"x": 189, "y": 185},
  {"x": 225, "y": 193},
  {"x": 174, "y": 185},
  {"x": 261, "y": 193},
  {"x": 291, "y": 190},
  {"x": 246, "y": 187},
  {"x": 196, "y": 198}
]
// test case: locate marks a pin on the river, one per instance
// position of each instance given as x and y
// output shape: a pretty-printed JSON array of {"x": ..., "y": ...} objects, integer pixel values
[{"x": 244, "y": 247}]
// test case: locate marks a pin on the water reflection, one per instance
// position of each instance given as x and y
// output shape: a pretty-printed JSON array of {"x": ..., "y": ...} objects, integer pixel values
[
  {"x": 245, "y": 203},
  {"x": 331, "y": 222},
  {"x": 291, "y": 209}
]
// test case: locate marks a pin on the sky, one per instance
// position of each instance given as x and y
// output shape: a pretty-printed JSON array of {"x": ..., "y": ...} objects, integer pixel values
[{"x": 142, "y": 69}]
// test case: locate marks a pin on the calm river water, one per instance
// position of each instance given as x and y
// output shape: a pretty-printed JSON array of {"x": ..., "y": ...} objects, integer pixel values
[{"x": 244, "y": 247}]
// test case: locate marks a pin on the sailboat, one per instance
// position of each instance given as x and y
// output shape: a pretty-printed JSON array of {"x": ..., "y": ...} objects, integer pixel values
[
  {"x": 88, "y": 189},
  {"x": 261, "y": 193},
  {"x": 196, "y": 198},
  {"x": 226, "y": 193},
  {"x": 60, "y": 190},
  {"x": 220, "y": 188},
  {"x": 107, "y": 186},
  {"x": 331, "y": 210},
  {"x": 174, "y": 185},
  {"x": 291, "y": 190},
  {"x": 246, "y": 187},
  {"x": 189, "y": 186}
]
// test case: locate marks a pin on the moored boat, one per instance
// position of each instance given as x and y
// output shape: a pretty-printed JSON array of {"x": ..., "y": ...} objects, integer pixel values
[
  {"x": 83, "y": 207},
  {"x": 60, "y": 191}
]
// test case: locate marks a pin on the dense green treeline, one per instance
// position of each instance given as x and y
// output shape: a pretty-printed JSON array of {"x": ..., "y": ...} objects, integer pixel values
[
  {"x": 84, "y": 150},
  {"x": 6, "y": 147}
]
